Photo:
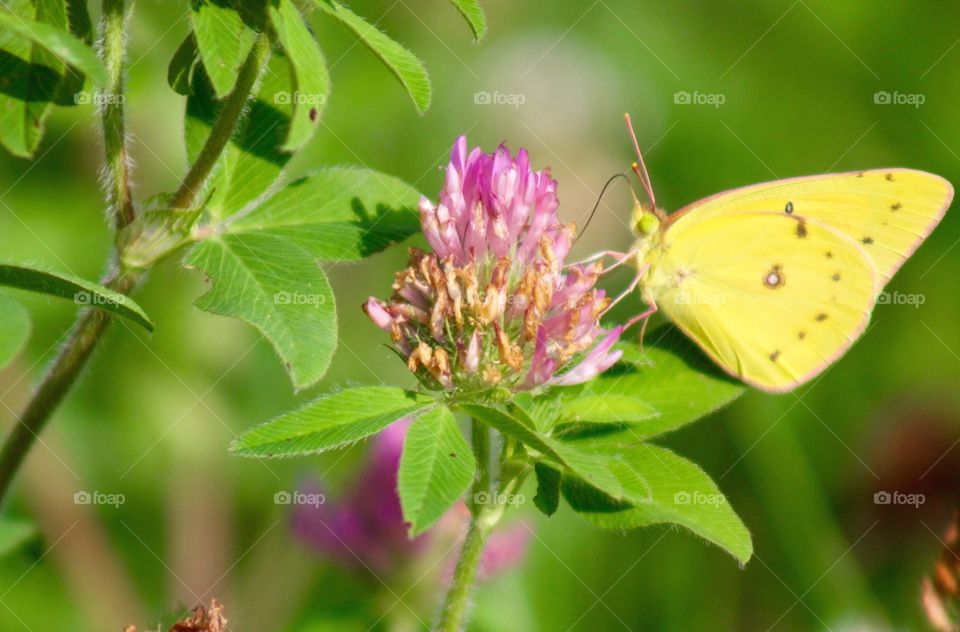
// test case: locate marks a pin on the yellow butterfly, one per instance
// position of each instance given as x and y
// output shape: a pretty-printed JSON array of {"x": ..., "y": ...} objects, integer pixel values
[{"x": 775, "y": 281}]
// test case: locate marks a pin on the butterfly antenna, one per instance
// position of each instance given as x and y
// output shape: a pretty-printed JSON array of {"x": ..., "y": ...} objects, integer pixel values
[
  {"x": 597, "y": 205},
  {"x": 639, "y": 167}
]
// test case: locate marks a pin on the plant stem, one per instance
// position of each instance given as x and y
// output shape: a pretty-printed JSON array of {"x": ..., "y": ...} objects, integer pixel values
[
  {"x": 224, "y": 126},
  {"x": 471, "y": 552},
  {"x": 58, "y": 380},
  {"x": 92, "y": 323},
  {"x": 113, "y": 52},
  {"x": 480, "y": 438},
  {"x": 458, "y": 596}
]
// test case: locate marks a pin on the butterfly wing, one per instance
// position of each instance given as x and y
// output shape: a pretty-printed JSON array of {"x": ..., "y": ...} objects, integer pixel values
[
  {"x": 887, "y": 211},
  {"x": 773, "y": 298}
]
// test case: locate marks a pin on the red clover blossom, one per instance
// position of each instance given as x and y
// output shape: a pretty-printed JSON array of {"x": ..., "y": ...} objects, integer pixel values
[{"x": 494, "y": 303}]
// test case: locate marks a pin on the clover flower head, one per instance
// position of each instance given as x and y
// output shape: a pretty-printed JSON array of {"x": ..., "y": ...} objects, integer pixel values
[{"x": 493, "y": 303}]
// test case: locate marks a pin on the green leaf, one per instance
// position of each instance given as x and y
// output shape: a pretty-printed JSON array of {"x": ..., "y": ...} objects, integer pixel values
[
  {"x": 80, "y": 291},
  {"x": 14, "y": 534},
  {"x": 253, "y": 158},
  {"x": 265, "y": 265},
  {"x": 64, "y": 46},
  {"x": 81, "y": 26},
  {"x": 222, "y": 39},
  {"x": 671, "y": 376},
  {"x": 677, "y": 491},
  {"x": 29, "y": 77},
  {"x": 401, "y": 62},
  {"x": 542, "y": 410},
  {"x": 14, "y": 329},
  {"x": 436, "y": 468},
  {"x": 471, "y": 11},
  {"x": 312, "y": 83},
  {"x": 587, "y": 467},
  {"x": 182, "y": 64},
  {"x": 591, "y": 412},
  {"x": 331, "y": 421},
  {"x": 78, "y": 17},
  {"x": 547, "y": 499},
  {"x": 338, "y": 213},
  {"x": 279, "y": 288}
]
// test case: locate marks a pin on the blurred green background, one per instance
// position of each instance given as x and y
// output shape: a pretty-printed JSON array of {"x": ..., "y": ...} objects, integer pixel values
[{"x": 154, "y": 415}]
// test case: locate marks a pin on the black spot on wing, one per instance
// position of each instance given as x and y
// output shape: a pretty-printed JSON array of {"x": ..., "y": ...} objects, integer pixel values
[
  {"x": 836, "y": 276},
  {"x": 788, "y": 209},
  {"x": 889, "y": 177},
  {"x": 867, "y": 240},
  {"x": 775, "y": 355},
  {"x": 896, "y": 207},
  {"x": 802, "y": 229},
  {"x": 775, "y": 278},
  {"x": 829, "y": 254},
  {"x": 801, "y": 335},
  {"x": 822, "y": 316}
]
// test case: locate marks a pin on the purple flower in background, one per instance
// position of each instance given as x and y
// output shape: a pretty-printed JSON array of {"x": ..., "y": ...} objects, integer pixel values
[
  {"x": 493, "y": 303},
  {"x": 365, "y": 529}
]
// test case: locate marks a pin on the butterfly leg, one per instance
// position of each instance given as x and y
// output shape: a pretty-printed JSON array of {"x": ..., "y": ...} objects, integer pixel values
[
  {"x": 645, "y": 317},
  {"x": 619, "y": 257},
  {"x": 630, "y": 288}
]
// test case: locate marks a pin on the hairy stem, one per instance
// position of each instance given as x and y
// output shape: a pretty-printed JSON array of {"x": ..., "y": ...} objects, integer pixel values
[
  {"x": 92, "y": 323},
  {"x": 471, "y": 552},
  {"x": 224, "y": 126},
  {"x": 480, "y": 438},
  {"x": 458, "y": 596},
  {"x": 113, "y": 52},
  {"x": 57, "y": 381}
]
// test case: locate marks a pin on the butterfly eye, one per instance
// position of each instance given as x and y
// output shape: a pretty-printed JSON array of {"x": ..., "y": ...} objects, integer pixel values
[{"x": 647, "y": 224}]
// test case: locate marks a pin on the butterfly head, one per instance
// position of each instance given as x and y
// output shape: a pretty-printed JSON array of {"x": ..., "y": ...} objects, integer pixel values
[{"x": 645, "y": 220}]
